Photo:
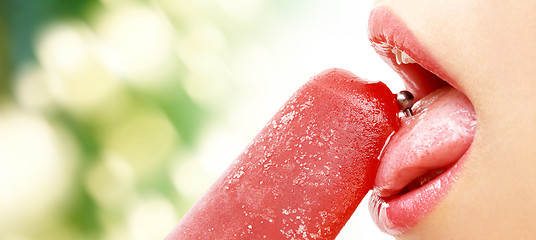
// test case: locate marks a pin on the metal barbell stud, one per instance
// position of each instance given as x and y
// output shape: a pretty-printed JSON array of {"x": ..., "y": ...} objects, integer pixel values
[{"x": 405, "y": 101}]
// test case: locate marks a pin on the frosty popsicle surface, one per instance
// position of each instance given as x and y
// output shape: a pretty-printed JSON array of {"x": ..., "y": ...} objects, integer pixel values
[{"x": 305, "y": 173}]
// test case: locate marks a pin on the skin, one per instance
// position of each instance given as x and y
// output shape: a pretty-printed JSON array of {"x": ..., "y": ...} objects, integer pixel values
[{"x": 489, "y": 47}]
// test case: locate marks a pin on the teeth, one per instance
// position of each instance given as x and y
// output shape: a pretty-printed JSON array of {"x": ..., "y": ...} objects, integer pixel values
[{"x": 402, "y": 57}]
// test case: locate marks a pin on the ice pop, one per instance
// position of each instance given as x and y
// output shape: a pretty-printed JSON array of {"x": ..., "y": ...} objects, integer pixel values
[{"x": 304, "y": 174}]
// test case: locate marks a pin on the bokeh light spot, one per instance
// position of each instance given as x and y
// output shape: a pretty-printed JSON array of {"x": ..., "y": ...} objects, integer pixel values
[
  {"x": 140, "y": 40},
  {"x": 144, "y": 139},
  {"x": 32, "y": 166},
  {"x": 142, "y": 219},
  {"x": 111, "y": 182},
  {"x": 77, "y": 78}
]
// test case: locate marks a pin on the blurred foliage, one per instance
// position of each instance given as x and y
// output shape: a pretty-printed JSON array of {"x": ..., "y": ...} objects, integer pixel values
[
  {"x": 116, "y": 151},
  {"x": 5, "y": 64},
  {"x": 116, "y": 115},
  {"x": 25, "y": 17}
]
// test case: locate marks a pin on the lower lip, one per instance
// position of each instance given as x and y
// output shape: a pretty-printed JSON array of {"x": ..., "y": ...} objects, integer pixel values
[{"x": 398, "y": 214}]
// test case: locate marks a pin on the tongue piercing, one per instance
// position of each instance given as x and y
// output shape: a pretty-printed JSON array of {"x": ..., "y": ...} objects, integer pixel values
[{"x": 405, "y": 101}]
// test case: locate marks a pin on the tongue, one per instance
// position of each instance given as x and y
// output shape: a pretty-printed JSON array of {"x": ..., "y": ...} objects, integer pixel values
[{"x": 435, "y": 137}]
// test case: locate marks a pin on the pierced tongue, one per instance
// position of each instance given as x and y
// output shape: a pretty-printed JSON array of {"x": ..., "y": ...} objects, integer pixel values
[{"x": 435, "y": 137}]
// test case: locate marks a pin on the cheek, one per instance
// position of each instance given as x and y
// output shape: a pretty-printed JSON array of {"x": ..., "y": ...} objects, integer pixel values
[{"x": 495, "y": 191}]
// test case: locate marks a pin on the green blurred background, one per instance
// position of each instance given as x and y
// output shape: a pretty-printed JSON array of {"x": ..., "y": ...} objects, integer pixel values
[{"x": 116, "y": 115}]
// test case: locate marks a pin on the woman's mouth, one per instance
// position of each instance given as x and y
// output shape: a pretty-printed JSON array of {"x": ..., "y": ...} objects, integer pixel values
[{"x": 421, "y": 161}]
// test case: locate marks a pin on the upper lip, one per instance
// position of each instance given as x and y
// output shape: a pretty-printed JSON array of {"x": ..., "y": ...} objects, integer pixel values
[{"x": 420, "y": 79}]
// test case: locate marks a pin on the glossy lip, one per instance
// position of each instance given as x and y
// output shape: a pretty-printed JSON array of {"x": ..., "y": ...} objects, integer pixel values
[
  {"x": 386, "y": 31},
  {"x": 399, "y": 213}
]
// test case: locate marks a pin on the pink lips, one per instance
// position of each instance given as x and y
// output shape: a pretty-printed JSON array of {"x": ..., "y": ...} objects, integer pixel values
[{"x": 423, "y": 159}]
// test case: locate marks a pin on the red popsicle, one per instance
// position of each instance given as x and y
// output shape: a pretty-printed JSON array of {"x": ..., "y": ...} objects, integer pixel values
[{"x": 304, "y": 174}]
